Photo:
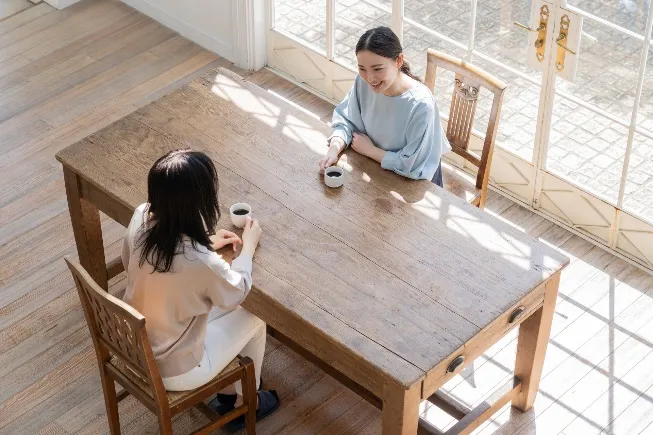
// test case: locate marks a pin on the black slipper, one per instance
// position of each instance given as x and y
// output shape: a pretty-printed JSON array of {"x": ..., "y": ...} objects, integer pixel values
[
  {"x": 268, "y": 402},
  {"x": 223, "y": 403}
]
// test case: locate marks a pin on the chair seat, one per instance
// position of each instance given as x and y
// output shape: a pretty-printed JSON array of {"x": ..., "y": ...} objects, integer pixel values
[
  {"x": 174, "y": 397},
  {"x": 460, "y": 183}
]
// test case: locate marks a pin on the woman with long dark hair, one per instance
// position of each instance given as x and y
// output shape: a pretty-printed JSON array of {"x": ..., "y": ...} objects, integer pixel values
[
  {"x": 389, "y": 115},
  {"x": 176, "y": 279}
]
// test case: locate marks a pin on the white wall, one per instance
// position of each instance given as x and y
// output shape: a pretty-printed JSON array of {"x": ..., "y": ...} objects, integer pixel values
[
  {"x": 60, "y": 4},
  {"x": 208, "y": 23}
]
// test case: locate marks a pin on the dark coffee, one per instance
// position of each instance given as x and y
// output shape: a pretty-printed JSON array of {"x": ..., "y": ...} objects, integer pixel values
[
  {"x": 241, "y": 212},
  {"x": 334, "y": 174}
]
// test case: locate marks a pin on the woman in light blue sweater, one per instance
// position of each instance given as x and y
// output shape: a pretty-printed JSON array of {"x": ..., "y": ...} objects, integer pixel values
[{"x": 389, "y": 115}]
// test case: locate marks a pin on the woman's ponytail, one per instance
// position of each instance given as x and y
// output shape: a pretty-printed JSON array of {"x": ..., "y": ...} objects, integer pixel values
[{"x": 405, "y": 68}]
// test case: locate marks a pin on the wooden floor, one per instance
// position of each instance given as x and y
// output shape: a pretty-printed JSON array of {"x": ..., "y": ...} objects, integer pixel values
[
  {"x": 65, "y": 74},
  {"x": 11, "y": 7}
]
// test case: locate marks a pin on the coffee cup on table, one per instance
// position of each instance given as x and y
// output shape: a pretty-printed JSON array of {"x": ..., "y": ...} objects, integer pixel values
[
  {"x": 239, "y": 213},
  {"x": 334, "y": 176}
]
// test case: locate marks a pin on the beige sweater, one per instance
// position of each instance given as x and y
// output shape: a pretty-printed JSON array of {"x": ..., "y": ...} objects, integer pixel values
[{"x": 176, "y": 304}]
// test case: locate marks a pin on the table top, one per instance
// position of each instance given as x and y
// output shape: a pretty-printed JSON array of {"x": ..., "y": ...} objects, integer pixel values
[{"x": 395, "y": 272}]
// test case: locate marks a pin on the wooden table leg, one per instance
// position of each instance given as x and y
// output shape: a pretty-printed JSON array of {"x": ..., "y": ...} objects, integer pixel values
[
  {"x": 87, "y": 229},
  {"x": 531, "y": 346},
  {"x": 400, "y": 413}
]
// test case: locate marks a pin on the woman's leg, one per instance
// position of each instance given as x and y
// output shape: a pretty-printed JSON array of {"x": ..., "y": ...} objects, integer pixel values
[
  {"x": 238, "y": 332},
  {"x": 217, "y": 312},
  {"x": 195, "y": 378}
]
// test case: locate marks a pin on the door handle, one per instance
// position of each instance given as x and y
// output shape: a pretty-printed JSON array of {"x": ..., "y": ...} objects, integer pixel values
[
  {"x": 561, "y": 41},
  {"x": 520, "y": 25},
  {"x": 564, "y": 38},
  {"x": 540, "y": 42}
]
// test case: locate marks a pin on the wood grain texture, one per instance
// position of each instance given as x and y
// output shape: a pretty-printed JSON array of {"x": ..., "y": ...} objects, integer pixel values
[
  {"x": 18, "y": 20},
  {"x": 121, "y": 154},
  {"x": 37, "y": 294},
  {"x": 400, "y": 409},
  {"x": 485, "y": 410},
  {"x": 11, "y": 7},
  {"x": 56, "y": 53},
  {"x": 86, "y": 226},
  {"x": 228, "y": 119},
  {"x": 402, "y": 262},
  {"x": 531, "y": 347}
]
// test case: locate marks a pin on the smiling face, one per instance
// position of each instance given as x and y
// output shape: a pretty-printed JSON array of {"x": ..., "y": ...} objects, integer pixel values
[{"x": 378, "y": 71}]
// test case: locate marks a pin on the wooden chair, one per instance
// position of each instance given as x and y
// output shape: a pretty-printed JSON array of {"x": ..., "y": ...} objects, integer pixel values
[
  {"x": 125, "y": 356},
  {"x": 469, "y": 79}
]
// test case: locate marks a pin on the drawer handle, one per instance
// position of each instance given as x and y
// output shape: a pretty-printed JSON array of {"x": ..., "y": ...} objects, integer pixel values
[
  {"x": 515, "y": 314},
  {"x": 455, "y": 364}
]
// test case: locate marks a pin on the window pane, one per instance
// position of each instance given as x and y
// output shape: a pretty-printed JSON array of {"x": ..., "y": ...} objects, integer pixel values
[
  {"x": 416, "y": 42},
  {"x": 518, "y": 118},
  {"x": 638, "y": 194},
  {"x": 497, "y": 36},
  {"x": 630, "y": 14},
  {"x": 447, "y": 17},
  {"x": 645, "y": 113},
  {"x": 607, "y": 70},
  {"x": 586, "y": 149},
  {"x": 353, "y": 18},
  {"x": 304, "y": 20}
]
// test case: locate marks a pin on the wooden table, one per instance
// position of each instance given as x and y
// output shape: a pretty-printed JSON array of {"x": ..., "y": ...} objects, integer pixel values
[{"x": 392, "y": 286}]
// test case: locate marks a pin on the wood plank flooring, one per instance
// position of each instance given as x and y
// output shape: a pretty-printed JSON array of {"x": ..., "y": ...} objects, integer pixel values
[
  {"x": 11, "y": 7},
  {"x": 65, "y": 74}
]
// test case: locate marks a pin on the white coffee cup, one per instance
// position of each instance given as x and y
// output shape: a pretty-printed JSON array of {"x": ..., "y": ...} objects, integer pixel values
[
  {"x": 334, "y": 181},
  {"x": 239, "y": 220}
]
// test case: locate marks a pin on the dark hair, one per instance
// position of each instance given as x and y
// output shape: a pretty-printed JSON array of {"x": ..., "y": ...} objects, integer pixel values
[
  {"x": 182, "y": 192},
  {"x": 383, "y": 42}
]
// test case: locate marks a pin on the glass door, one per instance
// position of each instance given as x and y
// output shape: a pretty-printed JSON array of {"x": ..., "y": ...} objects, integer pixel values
[{"x": 593, "y": 142}]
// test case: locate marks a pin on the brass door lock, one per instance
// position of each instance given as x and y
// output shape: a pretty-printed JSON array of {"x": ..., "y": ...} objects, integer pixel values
[
  {"x": 561, "y": 41},
  {"x": 540, "y": 42}
]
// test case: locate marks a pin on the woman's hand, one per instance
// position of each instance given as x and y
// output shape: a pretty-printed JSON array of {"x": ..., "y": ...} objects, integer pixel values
[
  {"x": 362, "y": 144},
  {"x": 251, "y": 236},
  {"x": 223, "y": 238},
  {"x": 336, "y": 145},
  {"x": 329, "y": 160}
]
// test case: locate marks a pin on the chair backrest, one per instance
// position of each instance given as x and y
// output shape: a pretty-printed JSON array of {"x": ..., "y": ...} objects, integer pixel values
[
  {"x": 462, "y": 112},
  {"x": 117, "y": 329}
]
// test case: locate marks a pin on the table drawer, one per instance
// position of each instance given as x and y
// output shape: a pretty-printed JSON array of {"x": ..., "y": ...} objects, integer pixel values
[{"x": 483, "y": 341}]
